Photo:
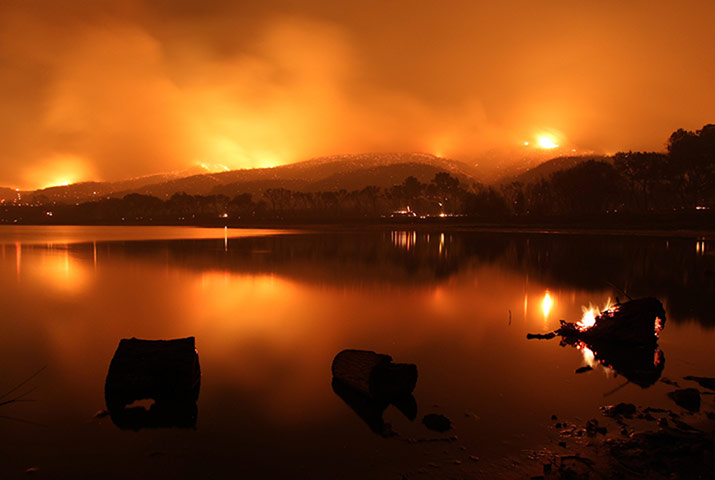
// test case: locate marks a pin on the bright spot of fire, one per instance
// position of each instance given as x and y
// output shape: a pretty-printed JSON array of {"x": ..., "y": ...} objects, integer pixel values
[
  {"x": 547, "y": 142},
  {"x": 546, "y": 304},
  {"x": 588, "y": 319}
]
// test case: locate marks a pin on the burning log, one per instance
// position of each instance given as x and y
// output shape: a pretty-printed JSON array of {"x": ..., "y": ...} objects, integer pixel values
[
  {"x": 635, "y": 322},
  {"x": 166, "y": 371},
  {"x": 623, "y": 337}
]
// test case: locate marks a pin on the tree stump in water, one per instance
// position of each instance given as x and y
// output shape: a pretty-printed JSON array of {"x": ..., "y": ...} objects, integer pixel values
[
  {"x": 166, "y": 371},
  {"x": 374, "y": 374}
]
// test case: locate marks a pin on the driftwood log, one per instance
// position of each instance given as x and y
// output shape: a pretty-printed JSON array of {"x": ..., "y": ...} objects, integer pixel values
[{"x": 166, "y": 371}]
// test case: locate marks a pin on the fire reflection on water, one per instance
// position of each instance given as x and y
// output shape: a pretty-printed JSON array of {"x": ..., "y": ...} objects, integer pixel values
[
  {"x": 546, "y": 304},
  {"x": 60, "y": 271},
  {"x": 405, "y": 240}
]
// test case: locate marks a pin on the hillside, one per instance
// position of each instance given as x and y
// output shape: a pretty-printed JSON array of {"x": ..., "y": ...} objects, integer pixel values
[
  {"x": 84, "y": 191},
  {"x": 7, "y": 194},
  {"x": 546, "y": 169},
  {"x": 349, "y": 172}
]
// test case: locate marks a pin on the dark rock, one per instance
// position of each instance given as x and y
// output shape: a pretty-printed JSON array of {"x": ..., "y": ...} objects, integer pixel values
[
  {"x": 540, "y": 336},
  {"x": 592, "y": 428},
  {"x": 687, "y": 398},
  {"x": 705, "y": 382},
  {"x": 562, "y": 444},
  {"x": 437, "y": 422},
  {"x": 620, "y": 410},
  {"x": 668, "y": 381},
  {"x": 587, "y": 368},
  {"x": 554, "y": 417}
]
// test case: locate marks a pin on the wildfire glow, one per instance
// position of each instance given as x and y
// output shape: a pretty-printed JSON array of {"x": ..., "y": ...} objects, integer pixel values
[
  {"x": 59, "y": 170},
  {"x": 547, "y": 142},
  {"x": 546, "y": 304}
]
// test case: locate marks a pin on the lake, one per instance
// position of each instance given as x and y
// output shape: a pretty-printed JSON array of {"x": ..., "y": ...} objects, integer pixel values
[{"x": 271, "y": 309}]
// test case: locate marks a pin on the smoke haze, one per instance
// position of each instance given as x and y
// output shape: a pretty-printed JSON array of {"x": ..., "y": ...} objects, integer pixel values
[{"x": 108, "y": 90}]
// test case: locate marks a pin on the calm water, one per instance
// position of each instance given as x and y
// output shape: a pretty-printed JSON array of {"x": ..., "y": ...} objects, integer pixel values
[{"x": 271, "y": 309}]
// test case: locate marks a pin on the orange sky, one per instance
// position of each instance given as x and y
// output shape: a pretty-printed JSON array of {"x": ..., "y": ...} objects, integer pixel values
[{"x": 107, "y": 90}]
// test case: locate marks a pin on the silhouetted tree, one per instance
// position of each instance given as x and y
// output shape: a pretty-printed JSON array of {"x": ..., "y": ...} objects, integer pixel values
[
  {"x": 240, "y": 206},
  {"x": 643, "y": 171},
  {"x": 589, "y": 187},
  {"x": 412, "y": 190},
  {"x": 445, "y": 189},
  {"x": 371, "y": 193},
  {"x": 279, "y": 199},
  {"x": 515, "y": 198},
  {"x": 691, "y": 164},
  {"x": 487, "y": 203}
]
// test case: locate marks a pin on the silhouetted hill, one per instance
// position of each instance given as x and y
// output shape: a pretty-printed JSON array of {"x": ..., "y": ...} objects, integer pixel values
[
  {"x": 7, "y": 194},
  {"x": 336, "y": 172},
  {"x": 383, "y": 176},
  {"x": 545, "y": 169},
  {"x": 348, "y": 172},
  {"x": 84, "y": 191},
  {"x": 351, "y": 173}
]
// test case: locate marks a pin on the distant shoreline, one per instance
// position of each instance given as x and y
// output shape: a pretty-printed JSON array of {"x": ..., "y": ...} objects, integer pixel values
[{"x": 683, "y": 229}]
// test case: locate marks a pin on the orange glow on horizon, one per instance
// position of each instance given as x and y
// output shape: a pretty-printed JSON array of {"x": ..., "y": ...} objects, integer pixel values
[
  {"x": 60, "y": 170},
  {"x": 126, "y": 93}
]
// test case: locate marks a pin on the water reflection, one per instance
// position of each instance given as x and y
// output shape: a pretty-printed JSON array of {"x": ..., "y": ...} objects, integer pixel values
[
  {"x": 272, "y": 312},
  {"x": 164, "y": 371},
  {"x": 675, "y": 272},
  {"x": 641, "y": 365}
]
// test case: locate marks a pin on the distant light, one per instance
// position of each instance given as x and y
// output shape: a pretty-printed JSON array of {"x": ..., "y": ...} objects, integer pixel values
[{"x": 526, "y": 144}]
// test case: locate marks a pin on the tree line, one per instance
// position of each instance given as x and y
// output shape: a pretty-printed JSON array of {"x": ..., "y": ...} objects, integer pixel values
[{"x": 679, "y": 180}]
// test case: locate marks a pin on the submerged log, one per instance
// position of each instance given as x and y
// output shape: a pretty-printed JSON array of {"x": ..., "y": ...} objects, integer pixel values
[
  {"x": 374, "y": 374},
  {"x": 166, "y": 371},
  {"x": 369, "y": 382}
]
